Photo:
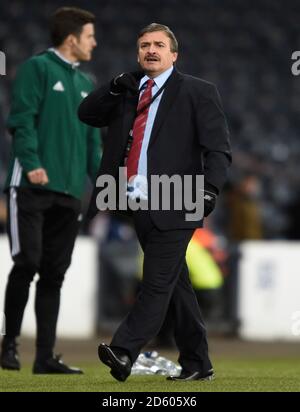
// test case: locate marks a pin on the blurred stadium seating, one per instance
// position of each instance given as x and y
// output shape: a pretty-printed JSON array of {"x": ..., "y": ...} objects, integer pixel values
[{"x": 244, "y": 47}]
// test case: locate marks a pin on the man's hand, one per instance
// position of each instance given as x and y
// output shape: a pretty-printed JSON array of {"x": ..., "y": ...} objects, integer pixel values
[
  {"x": 38, "y": 176},
  {"x": 124, "y": 82},
  {"x": 210, "y": 198}
]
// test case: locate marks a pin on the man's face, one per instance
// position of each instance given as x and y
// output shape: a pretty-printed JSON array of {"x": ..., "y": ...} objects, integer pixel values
[
  {"x": 154, "y": 53},
  {"x": 83, "y": 45}
]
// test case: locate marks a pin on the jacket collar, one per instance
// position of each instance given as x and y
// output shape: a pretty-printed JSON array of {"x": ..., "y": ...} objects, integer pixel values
[
  {"x": 159, "y": 80},
  {"x": 63, "y": 62}
]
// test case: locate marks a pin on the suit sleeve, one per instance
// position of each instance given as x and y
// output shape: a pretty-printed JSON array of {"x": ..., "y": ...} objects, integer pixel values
[
  {"x": 214, "y": 137},
  {"x": 97, "y": 108},
  {"x": 94, "y": 148},
  {"x": 27, "y": 96}
]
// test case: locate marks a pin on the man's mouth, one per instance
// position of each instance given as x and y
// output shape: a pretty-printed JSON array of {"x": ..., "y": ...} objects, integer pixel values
[{"x": 151, "y": 59}]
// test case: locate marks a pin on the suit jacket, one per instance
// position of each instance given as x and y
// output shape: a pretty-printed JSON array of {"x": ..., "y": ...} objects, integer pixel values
[{"x": 189, "y": 137}]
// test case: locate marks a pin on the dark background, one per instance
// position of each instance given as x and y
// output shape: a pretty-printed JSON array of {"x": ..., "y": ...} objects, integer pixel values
[{"x": 244, "y": 47}]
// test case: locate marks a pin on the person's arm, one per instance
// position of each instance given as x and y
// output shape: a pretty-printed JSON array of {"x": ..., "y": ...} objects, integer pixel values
[
  {"x": 98, "y": 107},
  {"x": 214, "y": 137},
  {"x": 26, "y": 100}
]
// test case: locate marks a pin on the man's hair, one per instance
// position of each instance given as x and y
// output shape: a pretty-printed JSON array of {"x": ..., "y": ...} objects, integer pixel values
[
  {"x": 68, "y": 20},
  {"x": 161, "y": 27}
]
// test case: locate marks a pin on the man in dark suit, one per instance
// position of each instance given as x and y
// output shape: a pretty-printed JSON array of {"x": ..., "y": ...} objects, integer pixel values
[{"x": 161, "y": 122}]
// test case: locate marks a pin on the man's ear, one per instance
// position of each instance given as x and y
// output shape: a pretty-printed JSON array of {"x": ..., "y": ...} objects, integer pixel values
[
  {"x": 70, "y": 40},
  {"x": 175, "y": 55}
]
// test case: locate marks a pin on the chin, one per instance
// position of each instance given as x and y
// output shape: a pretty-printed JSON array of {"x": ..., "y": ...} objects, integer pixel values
[
  {"x": 150, "y": 69},
  {"x": 86, "y": 58}
]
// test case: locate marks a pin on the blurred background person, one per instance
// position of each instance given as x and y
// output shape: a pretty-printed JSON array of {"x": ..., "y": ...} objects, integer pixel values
[
  {"x": 52, "y": 152},
  {"x": 244, "y": 213}
]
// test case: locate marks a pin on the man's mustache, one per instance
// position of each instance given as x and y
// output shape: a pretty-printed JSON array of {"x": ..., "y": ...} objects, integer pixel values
[{"x": 152, "y": 56}]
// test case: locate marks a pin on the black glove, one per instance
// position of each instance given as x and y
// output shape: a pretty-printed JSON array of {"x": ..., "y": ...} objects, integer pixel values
[
  {"x": 124, "y": 82},
  {"x": 210, "y": 198}
]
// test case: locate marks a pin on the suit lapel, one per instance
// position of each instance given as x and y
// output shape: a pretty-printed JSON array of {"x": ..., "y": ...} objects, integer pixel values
[{"x": 165, "y": 104}]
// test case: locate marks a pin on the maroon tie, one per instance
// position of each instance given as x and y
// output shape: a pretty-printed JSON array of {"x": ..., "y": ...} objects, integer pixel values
[{"x": 138, "y": 131}]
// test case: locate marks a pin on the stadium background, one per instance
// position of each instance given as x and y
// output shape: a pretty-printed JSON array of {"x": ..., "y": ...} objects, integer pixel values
[{"x": 245, "y": 48}]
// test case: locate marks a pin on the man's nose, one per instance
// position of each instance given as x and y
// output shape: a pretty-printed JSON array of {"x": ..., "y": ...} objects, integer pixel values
[{"x": 152, "y": 48}]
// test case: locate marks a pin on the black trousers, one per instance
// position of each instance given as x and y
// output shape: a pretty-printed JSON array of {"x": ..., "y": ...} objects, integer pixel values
[
  {"x": 42, "y": 227},
  {"x": 165, "y": 285}
]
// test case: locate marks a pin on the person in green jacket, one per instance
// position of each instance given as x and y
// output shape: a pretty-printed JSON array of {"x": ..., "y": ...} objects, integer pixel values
[{"x": 52, "y": 152}]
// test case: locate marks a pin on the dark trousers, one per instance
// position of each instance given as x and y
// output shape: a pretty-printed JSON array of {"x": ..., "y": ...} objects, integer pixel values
[
  {"x": 42, "y": 227},
  {"x": 165, "y": 285}
]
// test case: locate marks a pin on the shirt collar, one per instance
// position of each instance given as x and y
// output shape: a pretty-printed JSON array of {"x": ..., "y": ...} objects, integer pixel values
[
  {"x": 159, "y": 80},
  {"x": 58, "y": 54}
]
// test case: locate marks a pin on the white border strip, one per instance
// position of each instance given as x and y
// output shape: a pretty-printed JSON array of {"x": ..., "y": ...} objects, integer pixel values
[
  {"x": 14, "y": 228},
  {"x": 17, "y": 173}
]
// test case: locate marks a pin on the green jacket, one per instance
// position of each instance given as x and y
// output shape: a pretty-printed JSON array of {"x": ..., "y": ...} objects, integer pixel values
[{"x": 45, "y": 128}]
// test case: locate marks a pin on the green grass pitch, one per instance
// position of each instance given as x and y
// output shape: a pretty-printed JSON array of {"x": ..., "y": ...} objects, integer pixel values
[{"x": 232, "y": 375}]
